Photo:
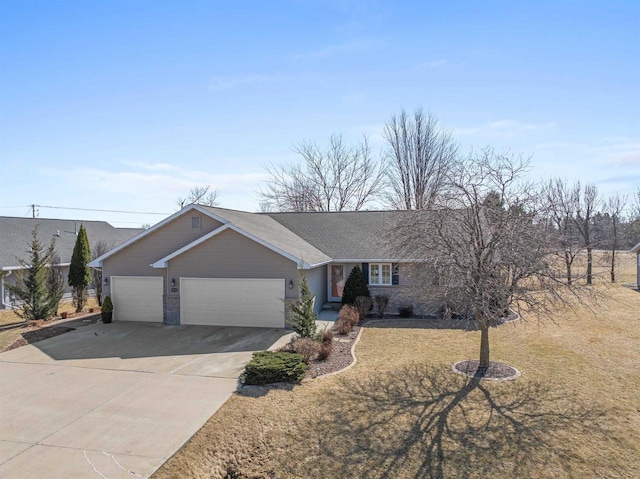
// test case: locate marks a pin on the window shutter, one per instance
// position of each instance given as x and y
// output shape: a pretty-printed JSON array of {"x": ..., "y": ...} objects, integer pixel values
[
  {"x": 395, "y": 275},
  {"x": 365, "y": 272}
]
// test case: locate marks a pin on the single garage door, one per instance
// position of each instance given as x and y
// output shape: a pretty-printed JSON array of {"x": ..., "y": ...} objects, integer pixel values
[
  {"x": 232, "y": 302},
  {"x": 137, "y": 298}
]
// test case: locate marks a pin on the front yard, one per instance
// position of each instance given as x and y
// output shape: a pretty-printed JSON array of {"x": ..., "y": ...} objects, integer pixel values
[{"x": 401, "y": 412}]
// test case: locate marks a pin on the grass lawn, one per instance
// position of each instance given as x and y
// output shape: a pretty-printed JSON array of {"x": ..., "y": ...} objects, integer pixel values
[
  {"x": 401, "y": 412},
  {"x": 8, "y": 316}
]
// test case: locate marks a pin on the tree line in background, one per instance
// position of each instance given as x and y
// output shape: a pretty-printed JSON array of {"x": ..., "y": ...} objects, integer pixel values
[{"x": 40, "y": 283}]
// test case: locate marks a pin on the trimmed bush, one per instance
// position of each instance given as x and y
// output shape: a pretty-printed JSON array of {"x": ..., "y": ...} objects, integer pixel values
[
  {"x": 382, "y": 301},
  {"x": 268, "y": 367},
  {"x": 363, "y": 304},
  {"x": 307, "y": 348},
  {"x": 406, "y": 311},
  {"x": 327, "y": 336},
  {"x": 343, "y": 326},
  {"x": 355, "y": 286},
  {"x": 325, "y": 351},
  {"x": 349, "y": 314},
  {"x": 107, "y": 305}
]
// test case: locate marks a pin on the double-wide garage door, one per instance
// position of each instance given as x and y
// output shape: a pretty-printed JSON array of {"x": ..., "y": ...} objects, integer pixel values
[
  {"x": 203, "y": 301},
  {"x": 232, "y": 302},
  {"x": 137, "y": 298}
]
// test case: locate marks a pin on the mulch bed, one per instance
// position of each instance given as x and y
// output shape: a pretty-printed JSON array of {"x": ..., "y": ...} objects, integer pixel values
[
  {"x": 496, "y": 371},
  {"x": 34, "y": 335},
  {"x": 340, "y": 357}
]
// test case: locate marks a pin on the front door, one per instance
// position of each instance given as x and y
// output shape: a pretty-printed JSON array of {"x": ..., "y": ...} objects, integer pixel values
[{"x": 337, "y": 281}]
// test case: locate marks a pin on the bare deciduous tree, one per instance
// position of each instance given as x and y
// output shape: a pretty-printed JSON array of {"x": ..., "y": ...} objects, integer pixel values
[
  {"x": 202, "y": 195},
  {"x": 586, "y": 204},
  {"x": 561, "y": 209},
  {"x": 335, "y": 178},
  {"x": 488, "y": 234},
  {"x": 614, "y": 206},
  {"x": 418, "y": 155}
]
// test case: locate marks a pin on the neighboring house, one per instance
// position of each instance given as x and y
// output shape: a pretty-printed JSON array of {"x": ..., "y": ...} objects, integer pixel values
[
  {"x": 636, "y": 250},
  {"x": 15, "y": 239},
  {"x": 214, "y": 266}
]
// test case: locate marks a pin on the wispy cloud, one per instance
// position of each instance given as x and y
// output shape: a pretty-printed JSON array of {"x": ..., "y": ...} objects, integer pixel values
[
  {"x": 229, "y": 83},
  {"x": 503, "y": 129},
  {"x": 347, "y": 48},
  {"x": 432, "y": 64},
  {"x": 154, "y": 181}
]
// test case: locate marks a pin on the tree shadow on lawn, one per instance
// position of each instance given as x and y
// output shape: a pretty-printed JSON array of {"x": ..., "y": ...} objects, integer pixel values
[{"x": 423, "y": 422}]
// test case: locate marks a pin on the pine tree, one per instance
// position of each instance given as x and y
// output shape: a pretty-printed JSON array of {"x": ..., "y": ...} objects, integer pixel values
[
  {"x": 32, "y": 287},
  {"x": 79, "y": 272},
  {"x": 303, "y": 317},
  {"x": 355, "y": 286}
]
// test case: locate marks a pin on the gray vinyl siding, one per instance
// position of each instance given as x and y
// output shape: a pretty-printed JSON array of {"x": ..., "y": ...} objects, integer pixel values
[
  {"x": 317, "y": 281},
  {"x": 232, "y": 255},
  {"x": 136, "y": 259}
]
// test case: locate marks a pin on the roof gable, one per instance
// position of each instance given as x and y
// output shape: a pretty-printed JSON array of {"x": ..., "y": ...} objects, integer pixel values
[{"x": 97, "y": 263}]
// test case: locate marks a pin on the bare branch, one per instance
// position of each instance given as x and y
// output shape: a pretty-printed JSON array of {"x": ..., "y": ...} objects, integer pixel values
[
  {"x": 201, "y": 195},
  {"x": 334, "y": 178},
  {"x": 419, "y": 153}
]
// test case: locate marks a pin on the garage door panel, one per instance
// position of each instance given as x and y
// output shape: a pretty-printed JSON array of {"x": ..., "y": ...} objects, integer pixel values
[
  {"x": 137, "y": 298},
  {"x": 232, "y": 302}
]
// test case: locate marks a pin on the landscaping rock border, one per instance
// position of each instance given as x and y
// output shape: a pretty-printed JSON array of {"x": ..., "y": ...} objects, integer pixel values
[{"x": 495, "y": 372}]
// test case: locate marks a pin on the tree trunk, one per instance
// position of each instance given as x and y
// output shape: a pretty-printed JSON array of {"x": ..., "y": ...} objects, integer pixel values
[
  {"x": 613, "y": 266},
  {"x": 484, "y": 346},
  {"x": 567, "y": 261},
  {"x": 589, "y": 264}
]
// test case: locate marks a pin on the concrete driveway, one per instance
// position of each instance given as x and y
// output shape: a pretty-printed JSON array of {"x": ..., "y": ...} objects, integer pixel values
[{"x": 116, "y": 400}]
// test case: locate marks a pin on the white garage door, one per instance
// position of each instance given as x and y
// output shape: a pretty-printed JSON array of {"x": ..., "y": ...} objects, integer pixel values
[
  {"x": 232, "y": 302},
  {"x": 136, "y": 298}
]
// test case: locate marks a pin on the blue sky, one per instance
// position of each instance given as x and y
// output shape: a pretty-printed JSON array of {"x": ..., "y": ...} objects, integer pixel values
[{"x": 125, "y": 105}]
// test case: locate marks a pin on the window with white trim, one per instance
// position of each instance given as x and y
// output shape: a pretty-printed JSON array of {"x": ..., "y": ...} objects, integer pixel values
[{"x": 380, "y": 274}]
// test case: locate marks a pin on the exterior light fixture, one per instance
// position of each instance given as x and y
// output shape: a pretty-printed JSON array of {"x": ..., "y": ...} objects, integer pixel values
[
  {"x": 290, "y": 284},
  {"x": 106, "y": 281},
  {"x": 173, "y": 282}
]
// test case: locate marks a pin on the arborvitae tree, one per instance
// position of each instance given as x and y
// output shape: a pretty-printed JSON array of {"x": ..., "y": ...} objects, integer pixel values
[
  {"x": 55, "y": 280},
  {"x": 79, "y": 272},
  {"x": 303, "y": 317},
  {"x": 355, "y": 286},
  {"x": 38, "y": 301}
]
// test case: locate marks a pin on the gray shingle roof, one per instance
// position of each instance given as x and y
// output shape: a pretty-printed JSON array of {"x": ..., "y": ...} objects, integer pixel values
[
  {"x": 15, "y": 236},
  {"x": 343, "y": 235},
  {"x": 274, "y": 233}
]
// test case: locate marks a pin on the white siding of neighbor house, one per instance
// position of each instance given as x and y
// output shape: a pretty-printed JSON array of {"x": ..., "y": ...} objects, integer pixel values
[
  {"x": 232, "y": 255},
  {"x": 136, "y": 259}
]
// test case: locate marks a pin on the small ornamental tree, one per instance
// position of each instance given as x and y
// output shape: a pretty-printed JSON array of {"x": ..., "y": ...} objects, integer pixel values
[
  {"x": 79, "y": 272},
  {"x": 37, "y": 285},
  {"x": 355, "y": 286},
  {"x": 303, "y": 317}
]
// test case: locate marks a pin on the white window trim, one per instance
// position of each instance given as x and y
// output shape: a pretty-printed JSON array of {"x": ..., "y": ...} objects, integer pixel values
[{"x": 380, "y": 265}]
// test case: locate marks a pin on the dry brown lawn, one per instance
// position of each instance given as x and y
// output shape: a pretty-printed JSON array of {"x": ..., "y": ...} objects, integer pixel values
[
  {"x": 401, "y": 412},
  {"x": 8, "y": 316},
  {"x": 625, "y": 266}
]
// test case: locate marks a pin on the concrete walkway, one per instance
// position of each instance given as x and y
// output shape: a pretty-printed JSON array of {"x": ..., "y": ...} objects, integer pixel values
[{"x": 116, "y": 400}]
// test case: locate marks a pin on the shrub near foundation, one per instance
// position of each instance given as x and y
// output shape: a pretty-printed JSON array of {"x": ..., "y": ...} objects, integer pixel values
[
  {"x": 268, "y": 367},
  {"x": 350, "y": 315}
]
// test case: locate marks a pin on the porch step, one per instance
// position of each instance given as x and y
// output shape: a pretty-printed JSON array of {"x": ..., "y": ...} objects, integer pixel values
[{"x": 332, "y": 306}]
